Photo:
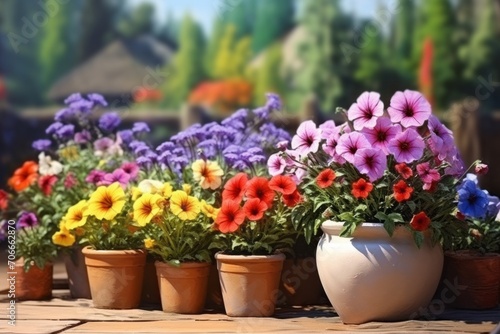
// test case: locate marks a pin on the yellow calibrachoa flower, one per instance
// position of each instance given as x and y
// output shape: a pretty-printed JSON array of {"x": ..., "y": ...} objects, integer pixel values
[
  {"x": 149, "y": 243},
  {"x": 146, "y": 208},
  {"x": 76, "y": 216},
  {"x": 63, "y": 238},
  {"x": 208, "y": 173},
  {"x": 167, "y": 190},
  {"x": 187, "y": 188},
  {"x": 69, "y": 153},
  {"x": 184, "y": 206},
  {"x": 150, "y": 186},
  {"x": 208, "y": 210},
  {"x": 136, "y": 193},
  {"x": 107, "y": 202}
]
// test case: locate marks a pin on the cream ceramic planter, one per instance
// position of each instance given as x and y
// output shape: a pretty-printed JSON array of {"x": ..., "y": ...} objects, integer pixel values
[{"x": 373, "y": 277}]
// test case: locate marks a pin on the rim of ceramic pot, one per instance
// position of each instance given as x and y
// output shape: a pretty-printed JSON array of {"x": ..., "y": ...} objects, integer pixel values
[
  {"x": 183, "y": 264},
  {"x": 250, "y": 258},
  {"x": 470, "y": 254},
  {"x": 91, "y": 251},
  {"x": 366, "y": 229},
  {"x": 333, "y": 226}
]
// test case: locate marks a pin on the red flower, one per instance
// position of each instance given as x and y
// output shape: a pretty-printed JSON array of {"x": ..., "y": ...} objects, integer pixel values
[
  {"x": 235, "y": 187},
  {"x": 70, "y": 180},
  {"x": 4, "y": 200},
  {"x": 481, "y": 169},
  {"x": 254, "y": 209},
  {"x": 325, "y": 178},
  {"x": 258, "y": 187},
  {"x": 404, "y": 170},
  {"x": 46, "y": 183},
  {"x": 283, "y": 184},
  {"x": 24, "y": 176},
  {"x": 402, "y": 191},
  {"x": 431, "y": 187},
  {"x": 292, "y": 199},
  {"x": 230, "y": 217},
  {"x": 361, "y": 189},
  {"x": 460, "y": 216},
  {"x": 420, "y": 222}
]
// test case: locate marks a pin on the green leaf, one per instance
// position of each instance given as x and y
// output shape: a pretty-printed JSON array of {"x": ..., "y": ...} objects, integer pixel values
[
  {"x": 396, "y": 218},
  {"x": 389, "y": 226},
  {"x": 412, "y": 206},
  {"x": 419, "y": 238}
]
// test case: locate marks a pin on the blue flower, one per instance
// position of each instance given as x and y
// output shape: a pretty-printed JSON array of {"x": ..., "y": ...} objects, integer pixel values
[
  {"x": 140, "y": 127},
  {"x": 166, "y": 146},
  {"x": 82, "y": 105},
  {"x": 73, "y": 98},
  {"x": 41, "y": 144},
  {"x": 66, "y": 131},
  {"x": 472, "y": 201},
  {"x": 64, "y": 115},
  {"x": 135, "y": 144},
  {"x": 127, "y": 136},
  {"x": 109, "y": 121},
  {"x": 144, "y": 162},
  {"x": 273, "y": 101},
  {"x": 53, "y": 128},
  {"x": 97, "y": 99}
]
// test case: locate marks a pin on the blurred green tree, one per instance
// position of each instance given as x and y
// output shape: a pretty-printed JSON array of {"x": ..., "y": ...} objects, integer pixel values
[
  {"x": 187, "y": 68},
  {"x": 169, "y": 32},
  {"x": 137, "y": 22},
  {"x": 273, "y": 20},
  {"x": 403, "y": 31},
  {"x": 213, "y": 47},
  {"x": 241, "y": 14},
  {"x": 222, "y": 64},
  {"x": 268, "y": 77}
]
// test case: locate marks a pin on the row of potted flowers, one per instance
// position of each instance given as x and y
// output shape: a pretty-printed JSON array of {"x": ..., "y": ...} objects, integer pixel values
[{"x": 236, "y": 191}]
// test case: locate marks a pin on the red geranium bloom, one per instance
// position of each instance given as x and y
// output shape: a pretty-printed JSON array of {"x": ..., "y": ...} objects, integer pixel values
[
  {"x": 4, "y": 200},
  {"x": 325, "y": 178},
  {"x": 283, "y": 184},
  {"x": 292, "y": 199},
  {"x": 361, "y": 189},
  {"x": 46, "y": 183},
  {"x": 24, "y": 176},
  {"x": 404, "y": 170},
  {"x": 258, "y": 187},
  {"x": 230, "y": 217},
  {"x": 235, "y": 188},
  {"x": 402, "y": 191},
  {"x": 420, "y": 222},
  {"x": 254, "y": 209}
]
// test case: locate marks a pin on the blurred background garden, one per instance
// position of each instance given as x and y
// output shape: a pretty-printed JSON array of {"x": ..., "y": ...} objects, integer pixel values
[{"x": 172, "y": 63}]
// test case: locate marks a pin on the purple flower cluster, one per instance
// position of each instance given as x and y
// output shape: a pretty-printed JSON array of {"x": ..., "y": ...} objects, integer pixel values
[
  {"x": 109, "y": 121},
  {"x": 126, "y": 173},
  {"x": 27, "y": 220}
]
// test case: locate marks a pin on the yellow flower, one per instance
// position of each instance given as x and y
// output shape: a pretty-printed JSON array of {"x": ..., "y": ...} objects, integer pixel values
[
  {"x": 149, "y": 243},
  {"x": 69, "y": 153},
  {"x": 102, "y": 162},
  {"x": 76, "y": 216},
  {"x": 208, "y": 210},
  {"x": 146, "y": 207},
  {"x": 184, "y": 206},
  {"x": 107, "y": 202},
  {"x": 208, "y": 173},
  {"x": 167, "y": 190},
  {"x": 63, "y": 238},
  {"x": 187, "y": 188},
  {"x": 150, "y": 186},
  {"x": 136, "y": 193}
]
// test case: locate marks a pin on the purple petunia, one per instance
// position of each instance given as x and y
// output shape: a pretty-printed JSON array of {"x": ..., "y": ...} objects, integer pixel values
[
  {"x": 95, "y": 176},
  {"x": 307, "y": 138},
  {"x": 82, "y": 137},
  {"x": 131, "y": 169},
  {"x": 371, "y": 162},
  {"x": 118, "y": 175},
  {"x": 276, "y": 164},
  {"x": 41, "y": 144},
  {"x": 407, "y": 146},
  {"x": 380, "y": 136},
  {"x": 26, "y": 220},
  {"x": 109, "y": 121},
  {"x": 410, "y": 108},
  {"x": 127, "y": 136},
  {"x": 441, "y": 140},
  {"x": 328, "y": 128},
  {"x": 140, "y": 127},
  {"x": 66, "y": 131},
  {"x": 103, "y": 144},
  {"x": 349, "y": 143},
  {"x": 427, "y": 174},
  {"x": 366, "y": 110}
]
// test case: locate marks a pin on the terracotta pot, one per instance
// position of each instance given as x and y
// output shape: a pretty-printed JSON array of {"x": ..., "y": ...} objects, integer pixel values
[
  {"x": 470, "y": 280},
  {"x": 150, "y": 289},
  {"x": 249, "y": 283},
  {"x": 78, "y": 279},
  {"x": 214, "y": 293},
  {"x": 35, "y": 284},
  {"x": 300, "y": 284},
  {"x": 183, "y": 289},
  {"x": 374, "y": 277},
  {"x": 115, "y": 277}
]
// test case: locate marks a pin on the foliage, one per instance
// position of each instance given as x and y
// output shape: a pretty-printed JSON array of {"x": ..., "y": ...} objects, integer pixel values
[
  {"x": 268, "y": 77},
  {"x": 240, "y": 14},
  {"x": 222, "y": 96},
  {"x": 139, "y": 21}
]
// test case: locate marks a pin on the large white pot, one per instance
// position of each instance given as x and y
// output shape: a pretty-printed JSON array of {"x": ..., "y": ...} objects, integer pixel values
[{"x": 373, "y": 277}]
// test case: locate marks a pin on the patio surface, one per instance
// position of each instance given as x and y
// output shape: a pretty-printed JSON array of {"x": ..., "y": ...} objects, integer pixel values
[{"x": 65, "y": 315}]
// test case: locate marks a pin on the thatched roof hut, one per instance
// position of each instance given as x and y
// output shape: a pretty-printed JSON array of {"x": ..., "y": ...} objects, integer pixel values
[{"x": 120, "y": 69}]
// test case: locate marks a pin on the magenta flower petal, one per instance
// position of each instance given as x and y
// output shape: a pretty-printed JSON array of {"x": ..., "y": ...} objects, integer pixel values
[
  {"x": 410, "y": 108},
  {"x": 327, "y": 129},
  {"x": 441, "y": 140},
  {"x": 428, "y": 174},
  {"x": 276, "y": 164},
  {"x": 371, "y": 162},
  {"x": 407, "y": 146},
  {"x": 366, "y": 110},
  {"x": 380, "y": 136},
  {"x": 349, "y": 143},
  {"x": 307, "y": 138}
]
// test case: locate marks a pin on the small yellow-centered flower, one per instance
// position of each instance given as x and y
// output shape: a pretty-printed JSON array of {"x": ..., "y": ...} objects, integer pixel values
[
  {"x": 149, "y": 243},
  {"x": 208, "y": 210},
  {"x": 167, "y": 190},
  {"x": 107, "y": 202},
  {"x": 63, "y": 238},
  {"x": 184, "y": 206},
  {"x": 187, "y": 188},
  {"x": 146, "y": 208},
  {"x": 208, "y": 173},
  {"x": 136, "y": 193},
  {"x": 76, "y": 216}
]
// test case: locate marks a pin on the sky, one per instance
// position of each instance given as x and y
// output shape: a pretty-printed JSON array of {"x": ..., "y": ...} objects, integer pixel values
[{"x": 205, "y": 11}]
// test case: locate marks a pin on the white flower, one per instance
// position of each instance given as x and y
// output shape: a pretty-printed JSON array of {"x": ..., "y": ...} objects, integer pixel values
[
  {"x": 150, "y": 186},
  {"x": 46, "y": 166}
]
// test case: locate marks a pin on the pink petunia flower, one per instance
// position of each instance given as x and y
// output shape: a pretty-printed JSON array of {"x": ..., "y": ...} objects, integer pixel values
[
  {"x": 307, "y": 138},
  {"x": 457, "y": 165},
  {"x": 428, "y": 174},
  {"x": 371, "y": 162},
  {"x": 327, "y": 129},
  {"x": 131, "y": 168},
  {"x": 382, "y": 133},
  {"x": 118, "y": 175},
  {"x": 407, "y": 146},
  {"x": 441, "y": 140},
  {"x": 276, "y": 164},
  {"x": 349, "y": 144},
  {"x": 366, "y": 110},
  {"x": 331, "y": 144},
  {"x": 410, "y": 108}
]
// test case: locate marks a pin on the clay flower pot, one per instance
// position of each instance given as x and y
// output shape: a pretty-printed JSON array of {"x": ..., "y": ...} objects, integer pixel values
[
  {"x": 300, "y": 283},
  {"x": 78, "y": 280},
  {"x": 183, "y": 289},
  {"x": 35, "y": 284},
  {"x": 374, "y": 277},
  {"x": 115, "y": 277},
  {"x": 249, "y": 283},
  {"x": 475, "y": 278}
]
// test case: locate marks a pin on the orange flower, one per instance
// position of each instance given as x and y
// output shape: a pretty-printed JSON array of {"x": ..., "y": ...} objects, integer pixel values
[
  {"x": 4, "y": 200},
  {"x": 46, "y": 182},
  {"x": 402, "y": 191},
  {"x": 283, "y": 184},
  {"x": 258, "y": 187},
  {"x": 254, "y": 209},
  {"x": 325, "y": 178},
  {"x": 24, "y": 176},
  {"x": 361, "y": 189},
  {"x": 230, "y": 217},
  {"x": 420, "y": 221},
  {"x": 292, "y": 199},
  {"x": 235, "y": 188}
]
